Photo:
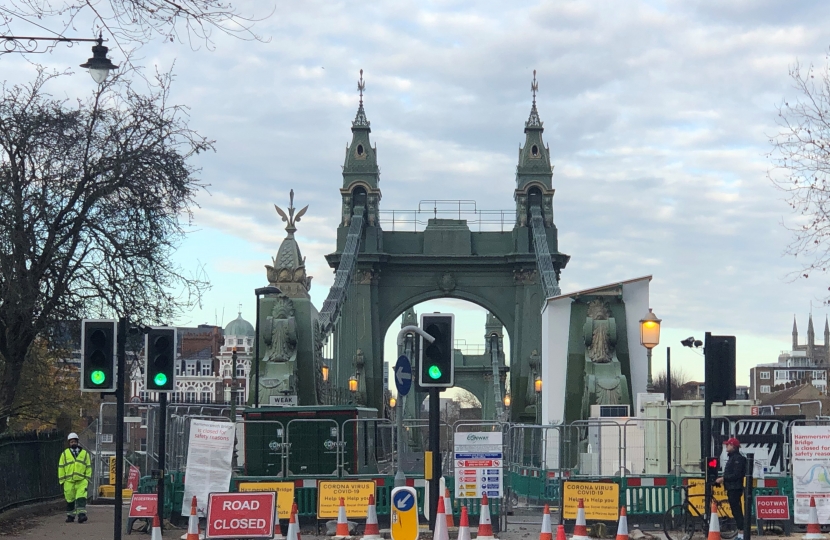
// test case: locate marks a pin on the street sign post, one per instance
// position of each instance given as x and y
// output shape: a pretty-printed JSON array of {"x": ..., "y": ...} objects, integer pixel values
[
  {"x": 143, "y": 506},
  {"x": 404, "y": 519},
  {"x": 403, "y": 375},
  {"x": 241, "y": 515}
]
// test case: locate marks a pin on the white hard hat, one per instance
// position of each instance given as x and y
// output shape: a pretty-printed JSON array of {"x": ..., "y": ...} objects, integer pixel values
[{"x": 72, "y": 435}]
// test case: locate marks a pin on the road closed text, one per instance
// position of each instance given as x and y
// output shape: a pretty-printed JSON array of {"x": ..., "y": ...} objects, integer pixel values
[{"x": 241, "y": 515}]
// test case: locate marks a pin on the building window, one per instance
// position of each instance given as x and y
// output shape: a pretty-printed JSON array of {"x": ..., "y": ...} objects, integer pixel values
[
  {"x": 207, "y": 397},
  {"x": 144, "y": 418},
  {"x": 191, "y": 396},
  {"x": 226, "y": 373},
  {"x": 142, "y": 445},
  {"x": 191, "y": 368},
  {"x": 764, "y": 375},
  {"x": 206, "y": 369},
  {"x": 240, "y": 341},
  {"x": 765, "y": 389},
  {"x": 819, "y": 375},
  {"x": 240, "y": 370},
  {"x": 143, "y": 396},
  {"x": 240, "y": 397}
]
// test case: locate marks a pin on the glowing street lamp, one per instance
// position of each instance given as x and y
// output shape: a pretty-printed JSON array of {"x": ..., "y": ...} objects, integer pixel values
[
  {"x": 353, "y": 384},
  {"x": 650, "y": 338},
  {"x": 325, "y": 372}
]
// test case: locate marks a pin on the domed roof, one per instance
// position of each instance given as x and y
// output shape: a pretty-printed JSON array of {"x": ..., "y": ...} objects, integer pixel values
[{"x": 239, "y": 327}]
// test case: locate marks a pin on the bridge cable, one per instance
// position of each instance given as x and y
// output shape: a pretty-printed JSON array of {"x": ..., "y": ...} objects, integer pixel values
[
  {"x": 343, "y": 276},
  {"x": 550, "y": 285}
]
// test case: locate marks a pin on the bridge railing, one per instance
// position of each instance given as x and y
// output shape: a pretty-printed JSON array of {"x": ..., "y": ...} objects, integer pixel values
[{"x": 477, "y": 220}]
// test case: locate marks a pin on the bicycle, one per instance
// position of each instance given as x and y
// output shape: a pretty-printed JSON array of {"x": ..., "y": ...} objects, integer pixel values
[{"x": 682, "y": 521}]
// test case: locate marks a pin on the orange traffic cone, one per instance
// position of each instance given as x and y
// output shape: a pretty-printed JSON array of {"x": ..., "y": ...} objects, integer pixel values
[
  {"x": 714, "y": 524},
  {"x": 293, "y": 527},
  {"x": 580, "y": 528},
  {"x": 295, "y": 513},
  {"x": 622, "y": 525},
  {"x": 464, "y": 525},
  {"x": 560, "y": 532},
  {"x": 813, "y": 527},
  {"x": 193, "y": 522},
  {"x": 448, "y": 508},
  {"x": 342, "y": 522},
  {"x": 485, "y": 528},
  {"x": 156, "y": 534},
  {"x": 546, "y": 533},
  {"x": 371, "y": 532},
  {"x": 440, "y": 532}
]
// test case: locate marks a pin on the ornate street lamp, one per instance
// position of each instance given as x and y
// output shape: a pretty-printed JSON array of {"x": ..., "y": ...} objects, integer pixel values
[
  {"x": 353, "y": 384},
  {"x": 650, "y": 338},
  {"x": 99, "y": 65},
  {"x": 537, "y": 385},
  {"x": 325, "y": 372},
  {"x": 392, "y": 402},
  {"x": 506, "y": 400}
]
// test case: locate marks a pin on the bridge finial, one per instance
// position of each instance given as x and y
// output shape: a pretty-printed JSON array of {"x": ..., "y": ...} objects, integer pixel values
[
  {"x": 290, "y": 218},
  {"x": 534, "y": 87},
  {"x": 534, "y": 120},
  {"x": 361, "y": 86}
]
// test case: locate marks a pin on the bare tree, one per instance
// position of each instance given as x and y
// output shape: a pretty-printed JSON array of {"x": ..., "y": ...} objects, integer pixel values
[
  {"x": 801, "y": 164},
  {"x": 91, "y": 197},
  {"x": 680, "y": 388},
  {"x": 134, "y": 22}
]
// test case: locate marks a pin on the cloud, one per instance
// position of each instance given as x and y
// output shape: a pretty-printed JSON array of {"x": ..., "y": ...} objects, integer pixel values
[{"x": 657, "y": 115}]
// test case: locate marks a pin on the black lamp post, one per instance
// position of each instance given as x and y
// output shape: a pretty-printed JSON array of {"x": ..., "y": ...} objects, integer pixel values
[
  {"x": 99, "y": 65},
  {"x": 259, "y": 292}
]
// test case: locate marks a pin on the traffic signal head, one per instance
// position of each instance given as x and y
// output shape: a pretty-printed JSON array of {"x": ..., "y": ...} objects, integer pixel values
[
  {"x": 712, "y": 469},
  {"x": 436, "y": 367},
  {"x": 719, "y": 371},
  {"x": 159, "y": 369},
  {"x": 98, "y": 354}
]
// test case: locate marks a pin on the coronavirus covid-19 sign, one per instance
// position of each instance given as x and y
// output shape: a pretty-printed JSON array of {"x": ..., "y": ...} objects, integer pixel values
[{"x": 241, "y": 515}]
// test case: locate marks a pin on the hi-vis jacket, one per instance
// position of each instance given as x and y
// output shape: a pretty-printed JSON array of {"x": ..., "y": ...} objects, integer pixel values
[{"x": 74, "y": 469}]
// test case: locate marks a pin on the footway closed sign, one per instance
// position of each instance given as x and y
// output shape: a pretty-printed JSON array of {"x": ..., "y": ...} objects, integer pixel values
[
  {"x": 601, "y": 500},
  {"x": 241, "y": 515}
]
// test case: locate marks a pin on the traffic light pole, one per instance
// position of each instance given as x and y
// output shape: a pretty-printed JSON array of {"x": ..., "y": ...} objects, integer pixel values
[
  {"x": 121, "y": 349},
  {"x": 435, "y": 449},
  {"x": 162, "y": 449}
]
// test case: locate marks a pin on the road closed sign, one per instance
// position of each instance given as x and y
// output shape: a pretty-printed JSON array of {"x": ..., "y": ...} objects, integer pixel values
[
  {"x": 241, "y": 515},
  {"x": 601, "y": 500}
]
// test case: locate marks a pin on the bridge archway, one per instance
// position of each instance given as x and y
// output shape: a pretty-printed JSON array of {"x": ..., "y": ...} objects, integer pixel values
[{"x": 473, "y": 352}]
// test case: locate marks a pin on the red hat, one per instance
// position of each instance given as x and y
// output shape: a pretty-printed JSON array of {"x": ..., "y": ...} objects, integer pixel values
[{"x": 733, "y": 441}]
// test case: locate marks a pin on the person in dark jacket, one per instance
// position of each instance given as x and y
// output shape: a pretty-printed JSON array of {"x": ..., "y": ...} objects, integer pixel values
[{"x": 733, "y": 481}]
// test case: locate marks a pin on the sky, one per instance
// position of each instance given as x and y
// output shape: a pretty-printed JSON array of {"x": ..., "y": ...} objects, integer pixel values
[{"x": 658, "y": 115}]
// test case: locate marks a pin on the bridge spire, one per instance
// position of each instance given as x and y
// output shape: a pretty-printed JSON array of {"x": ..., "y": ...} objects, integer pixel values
[{"x": 361, "y": 174}]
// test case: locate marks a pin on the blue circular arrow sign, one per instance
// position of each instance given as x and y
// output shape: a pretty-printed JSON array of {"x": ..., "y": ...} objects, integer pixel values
[
  {"x": 403, "y": 500},
  {"x": 403, "y": 375}
]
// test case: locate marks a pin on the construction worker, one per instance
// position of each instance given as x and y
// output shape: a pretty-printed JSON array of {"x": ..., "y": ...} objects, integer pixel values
[{"x": 74, "y": 473}]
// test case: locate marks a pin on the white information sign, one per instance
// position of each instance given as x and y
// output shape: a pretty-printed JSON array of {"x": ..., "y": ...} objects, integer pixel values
[
  {"x": 811, "y": 471},
  {"x": 209, "y": 454},
  {"x": 284, "y": 401},
  {"x": 478, "y": 459}
]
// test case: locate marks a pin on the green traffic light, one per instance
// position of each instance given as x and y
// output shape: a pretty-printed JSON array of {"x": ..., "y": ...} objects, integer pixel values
[
  {"x": 434, "y": 372},
  {"x": 160, "y": 379},
  {"x": 97, "y": 377}
]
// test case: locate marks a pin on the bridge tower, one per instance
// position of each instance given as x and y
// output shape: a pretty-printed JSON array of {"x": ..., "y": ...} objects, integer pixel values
[{"x": 385, "y": 272}]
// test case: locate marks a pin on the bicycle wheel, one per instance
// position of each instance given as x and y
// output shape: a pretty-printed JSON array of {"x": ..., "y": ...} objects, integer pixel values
[
  {"x": 678, "y": 523},
  {"x": 728, "y": 527}
]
